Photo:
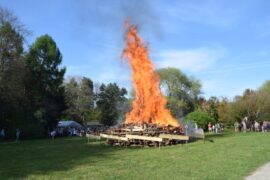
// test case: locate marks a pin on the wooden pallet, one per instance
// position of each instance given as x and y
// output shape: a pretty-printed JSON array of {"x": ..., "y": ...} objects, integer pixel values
[
  {"x": 113, "y": 137},
  {"x": 172, "y": 136},
  {"x": 145, "y": 138},
  {"x": 152, "y": 135}
]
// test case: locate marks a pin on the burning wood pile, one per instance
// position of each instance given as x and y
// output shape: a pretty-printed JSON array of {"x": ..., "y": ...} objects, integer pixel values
[
  {"x": 144, "y": 135},
  {"x": 149, "y": 122}
]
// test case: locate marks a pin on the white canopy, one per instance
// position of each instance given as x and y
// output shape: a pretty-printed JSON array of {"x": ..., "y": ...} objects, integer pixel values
[{"x": 73, "y": 124}]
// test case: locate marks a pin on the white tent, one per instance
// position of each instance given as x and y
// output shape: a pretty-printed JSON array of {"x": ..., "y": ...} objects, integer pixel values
[{"x": 69, "y": 123}]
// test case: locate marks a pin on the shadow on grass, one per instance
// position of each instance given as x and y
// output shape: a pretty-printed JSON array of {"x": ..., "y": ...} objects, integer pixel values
[
  {"x": 34, "y": 157},
  {"x": 215, "y": 135},
  {"x": 224, "y": 133},
  {"x": 210, "y": 140}
]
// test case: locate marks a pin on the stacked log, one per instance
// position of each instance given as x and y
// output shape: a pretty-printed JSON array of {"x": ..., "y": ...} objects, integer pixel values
[{"x": 144, "y": 135}]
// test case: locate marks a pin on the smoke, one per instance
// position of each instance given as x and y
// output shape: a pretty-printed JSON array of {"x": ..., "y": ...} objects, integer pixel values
[
  {"x": 108, "y": 17},
  {"x": 143, "y": 14}
]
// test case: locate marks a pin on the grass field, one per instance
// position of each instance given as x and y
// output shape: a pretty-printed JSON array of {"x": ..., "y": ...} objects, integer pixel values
[{"x": 228, "y": 156}]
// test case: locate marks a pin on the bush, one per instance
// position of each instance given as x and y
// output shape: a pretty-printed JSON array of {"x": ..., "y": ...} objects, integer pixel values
[{"x": 201, "y": 118}]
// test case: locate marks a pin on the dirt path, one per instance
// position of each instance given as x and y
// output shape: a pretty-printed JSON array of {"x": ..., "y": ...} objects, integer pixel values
[{"x": 262, "y": 173}]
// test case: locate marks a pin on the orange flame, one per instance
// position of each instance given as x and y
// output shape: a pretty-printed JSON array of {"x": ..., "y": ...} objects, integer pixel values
[{"x": 149, "y": 105}]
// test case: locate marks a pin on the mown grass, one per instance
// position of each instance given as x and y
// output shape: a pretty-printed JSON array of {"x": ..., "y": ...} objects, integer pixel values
[{"x": 227, "y": 156}]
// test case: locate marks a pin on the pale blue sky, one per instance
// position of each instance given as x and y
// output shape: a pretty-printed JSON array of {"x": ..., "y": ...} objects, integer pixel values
[{"x": 224, "y": 44}]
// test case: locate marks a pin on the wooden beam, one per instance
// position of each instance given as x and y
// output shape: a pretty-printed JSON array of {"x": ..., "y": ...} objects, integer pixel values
[
  {"x": 113, "y": 137},
  {"x": 146, "y": 138},
  {"x": 171, "y": 136}
]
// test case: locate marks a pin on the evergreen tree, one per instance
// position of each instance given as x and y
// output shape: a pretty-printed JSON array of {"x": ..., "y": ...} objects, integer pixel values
[
  {"x": 108, "y": 101},
  {"x": 79, "y": 98},
  {"x": 71, "y": 97},
  {"x": 86, "y": 99},
  {"x": 47, "y": 95}
]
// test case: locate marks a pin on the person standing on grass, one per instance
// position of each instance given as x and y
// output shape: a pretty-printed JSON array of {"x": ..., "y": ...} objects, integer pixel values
[
  {"x": 2, "y": 134},
  {"x": 256, "y": 126},
  {"x": 209, "y": 127},
  {"x": 244, "y": 125},
  {"x": 218, "y": 128},
  {"x": 53, "y": 134},
  {"x": 18, "y": 132}
]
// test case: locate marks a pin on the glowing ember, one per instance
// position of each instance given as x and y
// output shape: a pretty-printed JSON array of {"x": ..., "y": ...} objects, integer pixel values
[{"x": 149, "y": 105}]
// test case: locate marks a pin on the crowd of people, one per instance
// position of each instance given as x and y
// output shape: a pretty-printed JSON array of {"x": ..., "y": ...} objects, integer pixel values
[
  {"x": 72, "y": 131},
  {"x": 246, "y": 125},
  {"x": 215, "y": 128},
  {"x": 67, "y": 131}
]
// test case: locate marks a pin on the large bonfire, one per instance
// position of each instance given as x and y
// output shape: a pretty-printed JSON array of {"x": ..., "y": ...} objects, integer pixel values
[{"x": 149, "y": 105}]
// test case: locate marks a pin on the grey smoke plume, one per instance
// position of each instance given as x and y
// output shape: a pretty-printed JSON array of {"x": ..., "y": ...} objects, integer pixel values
[{"x": 109, "y": 16}]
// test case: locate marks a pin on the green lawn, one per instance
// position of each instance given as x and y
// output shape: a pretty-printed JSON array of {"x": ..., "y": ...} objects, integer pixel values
[{"x": 228, "y": 156}]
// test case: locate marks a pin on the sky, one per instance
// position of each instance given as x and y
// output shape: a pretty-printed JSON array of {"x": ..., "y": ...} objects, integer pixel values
[{"x": 225, "y": 43}]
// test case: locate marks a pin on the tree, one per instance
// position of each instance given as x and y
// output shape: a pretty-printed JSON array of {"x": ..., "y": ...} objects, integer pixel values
[
  {"x": 11, "y": 71},
  {"x": 253, "y": 104},
  {"x": 265, "y": 87},
  {"x": 71, "y": 97},
  {"x": 6, "y": 16},
  {"x": 108, "y": 102},
  {"x": 79, "y": 98},
  {"x": 85, "y": 99},
  {"x": 47, "y": 95},
  {"x": 224, "y": 112},
  {"x": 263, "y": 100},
  {"x": 201, "y": 118},
  {"x": 182, "y": 91},
  {"x": 211, "y": 107}
]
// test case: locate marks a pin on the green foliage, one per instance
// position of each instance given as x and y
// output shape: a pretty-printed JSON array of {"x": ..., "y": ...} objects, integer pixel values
[
  {"x": 86, "y": 98},
  {"x": 224, "y": 112},
  {"x": 210, "y": 106},
  {"x": 182, "y": 91},
  {"x": 71, "y": 96},
  {"x": 253, "y": 104},
  {"x": 94, "y": 115},
  {"x": 246, "y": 105},
  {"x": 44, "y": 72},
  {"x": 264, "y": 101},
  {"x": 201, "y": 118},
  {"x": 79, "y": 98},
  {"x": 109, "y": 101},
  {"x": 265, "y": 87},
  {"x": 12, "y": 73}
]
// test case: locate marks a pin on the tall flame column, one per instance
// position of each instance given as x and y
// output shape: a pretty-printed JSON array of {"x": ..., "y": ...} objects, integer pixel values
[{"x": 149, "y": 105}]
